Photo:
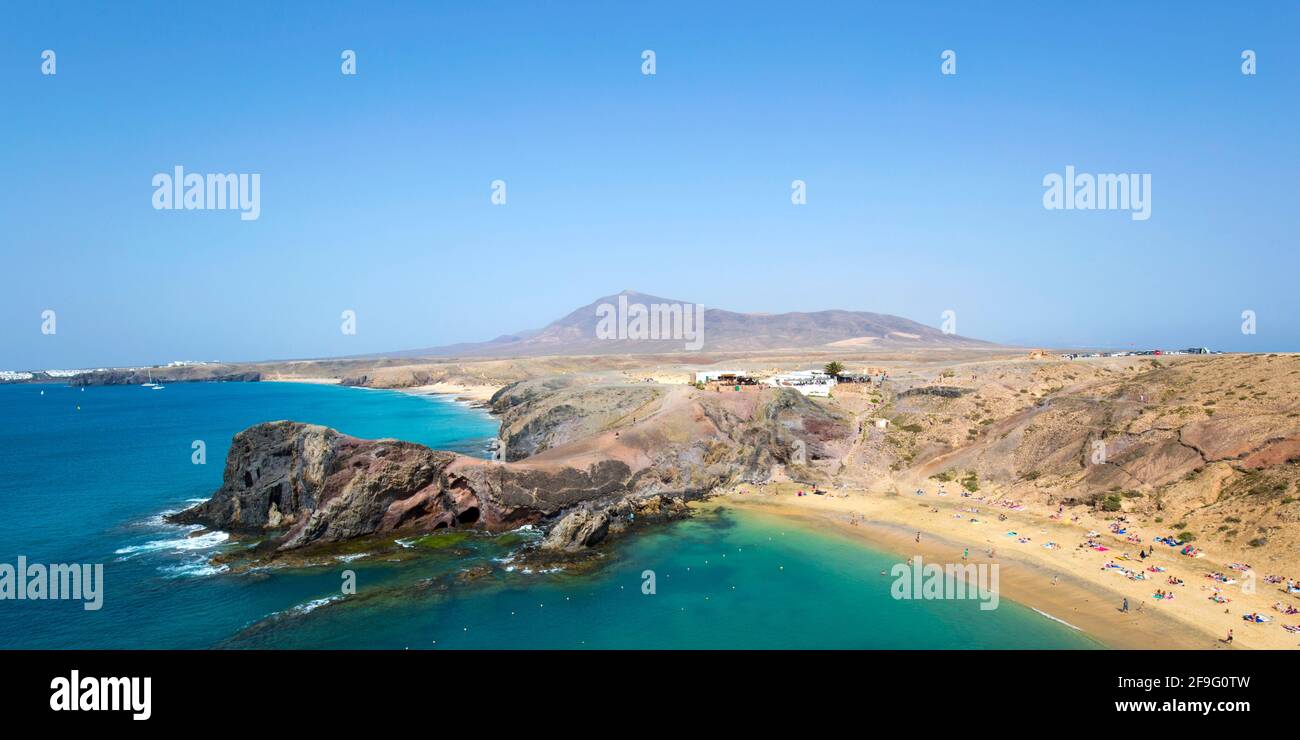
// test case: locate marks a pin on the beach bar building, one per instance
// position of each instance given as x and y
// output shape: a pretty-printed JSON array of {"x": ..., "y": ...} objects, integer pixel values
[
  {"x": 724, "y": 377},
  {"x": 807, "y": 382}
]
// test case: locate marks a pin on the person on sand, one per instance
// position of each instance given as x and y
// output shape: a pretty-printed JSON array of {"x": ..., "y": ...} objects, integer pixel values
[
  {"x": 1229, "y": 638},
  {"x": 918, "y": 535},
  {"x": 1054, "y": 580},
  {"x": 1125, "y": 607},
  {"x": 965, "y": 554}
]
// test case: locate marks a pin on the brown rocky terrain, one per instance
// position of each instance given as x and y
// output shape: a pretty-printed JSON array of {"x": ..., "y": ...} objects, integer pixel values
[
  {"x": 1206, "y": 446},
  {"x": 302, "y": 484}
]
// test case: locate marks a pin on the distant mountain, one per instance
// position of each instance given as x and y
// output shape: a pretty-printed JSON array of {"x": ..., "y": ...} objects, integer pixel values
[{"x": 614, "y": 325}]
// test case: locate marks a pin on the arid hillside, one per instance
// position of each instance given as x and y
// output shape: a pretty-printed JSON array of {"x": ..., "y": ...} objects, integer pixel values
[{"x": 1203, "y": 447}]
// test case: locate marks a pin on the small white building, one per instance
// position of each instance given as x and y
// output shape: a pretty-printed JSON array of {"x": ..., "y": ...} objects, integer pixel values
[{"x": 708, "y": 376}]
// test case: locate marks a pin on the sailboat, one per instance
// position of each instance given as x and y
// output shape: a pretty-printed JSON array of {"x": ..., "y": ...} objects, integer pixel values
[{"x": 151, "y": 385}]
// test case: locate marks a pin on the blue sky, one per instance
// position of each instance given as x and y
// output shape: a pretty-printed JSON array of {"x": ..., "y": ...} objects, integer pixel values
[{"x": 924, "y": 190}]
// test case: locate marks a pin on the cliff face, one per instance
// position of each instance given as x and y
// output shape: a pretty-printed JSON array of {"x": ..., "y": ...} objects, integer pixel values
[
  {"x": 538, "y": 415},
  {"x": 305, "y": 484}
]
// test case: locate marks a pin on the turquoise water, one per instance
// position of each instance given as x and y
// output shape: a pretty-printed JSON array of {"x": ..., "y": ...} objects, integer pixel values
[
  {"x": 89, "y": 485},
  {"x": 723, "y": 579}
]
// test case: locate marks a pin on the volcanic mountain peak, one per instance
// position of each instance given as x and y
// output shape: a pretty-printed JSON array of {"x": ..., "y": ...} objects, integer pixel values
[{"x": 601, "y": 327}]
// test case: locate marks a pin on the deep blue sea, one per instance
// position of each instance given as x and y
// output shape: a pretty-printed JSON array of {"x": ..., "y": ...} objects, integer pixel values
[{"x": 86, "y": 475}]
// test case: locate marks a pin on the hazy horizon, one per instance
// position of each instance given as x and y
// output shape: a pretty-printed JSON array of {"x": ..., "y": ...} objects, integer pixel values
[{"x": 925, "y": 191}]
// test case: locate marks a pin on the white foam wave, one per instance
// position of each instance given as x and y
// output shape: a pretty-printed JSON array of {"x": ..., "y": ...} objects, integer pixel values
[
  {"x": 196, "y": 569},
  {"x": 314, "y": 604},
  {"x": 180, "y": 544},
  {"x": 1057, "y": 619}
]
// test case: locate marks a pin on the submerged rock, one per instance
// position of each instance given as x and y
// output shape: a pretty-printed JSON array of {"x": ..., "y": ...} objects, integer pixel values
[{"x": 578, "y": 529}]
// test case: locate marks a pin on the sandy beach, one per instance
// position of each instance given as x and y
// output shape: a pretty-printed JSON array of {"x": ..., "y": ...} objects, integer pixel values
[
  {"x": 480, "y": 393},
  {"x": 1083, "y": 594},
  {"x": 290, "y": 379}
]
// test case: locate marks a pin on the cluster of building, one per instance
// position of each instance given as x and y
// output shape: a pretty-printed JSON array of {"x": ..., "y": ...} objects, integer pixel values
[
  {"x": 807, "y": 382},
  {"x": 1040, "y": 354},
  {"x": 16, "y": 376},
  {"x": 20, "y": 376}
]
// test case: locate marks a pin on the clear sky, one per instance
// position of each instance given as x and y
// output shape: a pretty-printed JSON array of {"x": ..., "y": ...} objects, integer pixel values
[{"x": 924, "y": 190}]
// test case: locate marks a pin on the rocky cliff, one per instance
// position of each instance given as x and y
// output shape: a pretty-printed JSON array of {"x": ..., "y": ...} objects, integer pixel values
[{"x": 304, "y": 484}]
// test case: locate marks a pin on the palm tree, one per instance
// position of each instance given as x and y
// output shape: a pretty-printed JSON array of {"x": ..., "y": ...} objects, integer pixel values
[{"x": 833, "y": 369}]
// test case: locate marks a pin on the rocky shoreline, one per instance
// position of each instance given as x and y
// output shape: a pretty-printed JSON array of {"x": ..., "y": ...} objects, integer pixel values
[
  {"x": 583, "y": 463},
  {"x": 184, "y": 375}
]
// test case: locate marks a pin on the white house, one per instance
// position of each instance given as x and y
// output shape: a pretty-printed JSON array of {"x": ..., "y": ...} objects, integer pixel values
[{"x": 705, "y": 376}]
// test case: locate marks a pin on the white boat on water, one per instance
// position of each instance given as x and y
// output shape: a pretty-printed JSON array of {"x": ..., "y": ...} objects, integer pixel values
[{"x": 151, "y": 385}]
